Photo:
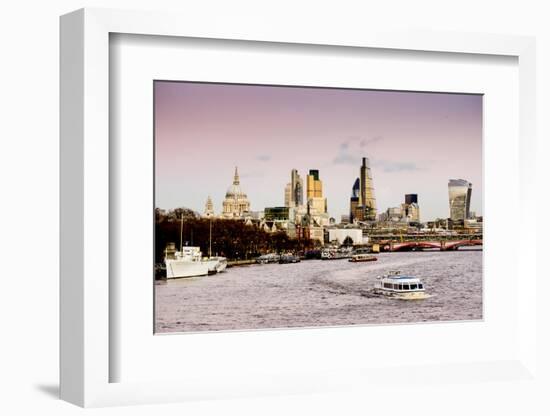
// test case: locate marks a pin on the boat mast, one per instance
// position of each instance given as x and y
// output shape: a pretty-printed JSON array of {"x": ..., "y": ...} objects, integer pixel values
[
  {"x": 210, "y": 241},
  {"x": 181, "y": 233}
]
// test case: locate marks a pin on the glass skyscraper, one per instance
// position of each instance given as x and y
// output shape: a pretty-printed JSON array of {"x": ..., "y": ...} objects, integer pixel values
[
  {"x": 411, "y": 199},
  {"x": 367, "y": 201},
  {"x": 460, "y": 193},
  {"x": 354, "y": 200},
  {"x": 362, "y": 200},
  {"x": 294, "y": 190}
]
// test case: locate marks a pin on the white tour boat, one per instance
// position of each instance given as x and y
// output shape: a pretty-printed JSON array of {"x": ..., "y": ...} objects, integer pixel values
[
  {"x": 396, "y": 285},
  {"x": 362, "y": 257}
]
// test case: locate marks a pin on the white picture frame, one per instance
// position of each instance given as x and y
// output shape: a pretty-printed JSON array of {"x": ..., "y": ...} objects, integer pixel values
[{"x": 86, "y": 355}]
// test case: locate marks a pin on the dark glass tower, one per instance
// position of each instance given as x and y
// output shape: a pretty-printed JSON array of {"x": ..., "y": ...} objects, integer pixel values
[
  {"x": 354, "y": 200},
  {"x": 411, "y": 199}
]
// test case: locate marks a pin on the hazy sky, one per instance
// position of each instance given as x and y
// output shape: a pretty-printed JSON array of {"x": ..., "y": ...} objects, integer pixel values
[{"x": 415, "y": 142}]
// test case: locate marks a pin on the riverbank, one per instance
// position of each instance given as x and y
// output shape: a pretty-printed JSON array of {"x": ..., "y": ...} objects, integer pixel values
[{"x": 234, "y": 263}]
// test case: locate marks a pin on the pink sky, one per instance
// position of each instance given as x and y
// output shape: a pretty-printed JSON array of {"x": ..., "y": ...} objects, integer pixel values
[{"x": 416, "y": 142}]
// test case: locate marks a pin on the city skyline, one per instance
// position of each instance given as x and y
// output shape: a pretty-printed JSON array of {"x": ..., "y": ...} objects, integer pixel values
[{"x": 416, "y": 142}]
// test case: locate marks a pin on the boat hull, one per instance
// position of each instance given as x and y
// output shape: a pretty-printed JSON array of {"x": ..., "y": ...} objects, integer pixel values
[
  {"x": 216, "y": 264},
  {"x": 412, "y": 296},
  {"x": 177, "y": 268},
  {"x": 419, "y": 295},
  {"x": 362, "y": 260},
  {"x": 221, "y": 266}
]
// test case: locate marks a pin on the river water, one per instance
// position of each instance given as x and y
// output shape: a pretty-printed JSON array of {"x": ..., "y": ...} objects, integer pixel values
[{"x": 321, "y": 293}]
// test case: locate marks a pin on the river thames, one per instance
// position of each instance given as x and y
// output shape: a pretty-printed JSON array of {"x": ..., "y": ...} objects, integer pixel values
[{"x": 317, "y": 293}]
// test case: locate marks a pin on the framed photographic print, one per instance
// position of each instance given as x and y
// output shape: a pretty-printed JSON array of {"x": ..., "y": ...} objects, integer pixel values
[
  {"x": 312, "y": 251},
  {"x": 299, "y": 213}
]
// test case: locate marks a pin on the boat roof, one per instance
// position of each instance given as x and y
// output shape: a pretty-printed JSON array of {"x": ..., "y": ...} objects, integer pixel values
[{"x": 402, "y": 278}]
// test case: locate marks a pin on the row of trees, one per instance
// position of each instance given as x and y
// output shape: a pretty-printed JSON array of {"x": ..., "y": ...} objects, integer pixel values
[{"x": 230, "y": 238}]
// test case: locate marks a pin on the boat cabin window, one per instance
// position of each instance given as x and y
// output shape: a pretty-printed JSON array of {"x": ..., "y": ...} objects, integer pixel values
[
  {"x": 413, "y": 286},
  {"x": 388, "y": 285},
  {"x": 420, "y": 285},
  {"x": 396, "y": 286},
  {"x": 406, "y": 286}
]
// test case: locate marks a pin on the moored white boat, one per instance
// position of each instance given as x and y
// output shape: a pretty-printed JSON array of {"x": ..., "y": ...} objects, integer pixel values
[
  {"x": 289, "y": 258},
  {"x": 268, "y": 258},
  {"x": 398, "y": 286},
  {"x": 336, "y": 253},
  {"x": 185, "y": 263},
  {"x": 215, "y": 264}
]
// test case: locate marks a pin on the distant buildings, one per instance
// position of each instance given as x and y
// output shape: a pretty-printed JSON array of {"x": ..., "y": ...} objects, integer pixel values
[
  {"x": 411, "y": 212},
  {"x": 277, "y": 213},
  {"x": 288, "y": 195},
  {"x": 315, "y": 199},
  {"x": 311, "y": 219},
  {"x": 339, "y": 235},
  {"x": 305, "y": 213},
  {"x": 294, "y": 190},
  {"x": 362, "y": 200},
  {"x": 354, "y": 201},
  {"x": 408, "y": 212},
  {"x": 235, "y": 204},
  {"x": 460, "y": 193},
  {"x": 411, "y": 199},
  {"x": 279, "y": 219},
  {"x": 208, "y": 208},
  {"x": 410, "y": 209},
  {"x": 299, "y": 220}
]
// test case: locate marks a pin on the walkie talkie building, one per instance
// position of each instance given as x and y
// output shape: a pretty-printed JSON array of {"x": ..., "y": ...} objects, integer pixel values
[{"x": 460, "y": 193}]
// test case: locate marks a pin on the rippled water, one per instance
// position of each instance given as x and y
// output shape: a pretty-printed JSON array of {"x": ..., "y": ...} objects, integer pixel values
[{"x": 321, "y": 293}]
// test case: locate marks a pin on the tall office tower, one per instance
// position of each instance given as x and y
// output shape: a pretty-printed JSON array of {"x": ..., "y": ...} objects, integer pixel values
[
  {"x": 367, "y": 201},
  {"x": 460, "y": 193},
  {"x": 411, "y": 199},
  {"x": 294, "y": 190},
  {"x": 288, "y": 194},
  {"x": 314, "y": 192},
  {"x": 314, "y": 184},
  {"x": 208, "y": 208},
  {"x": 297, "y": 188}
]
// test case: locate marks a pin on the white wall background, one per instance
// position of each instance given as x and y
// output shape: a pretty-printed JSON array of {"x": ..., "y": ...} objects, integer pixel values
[{"x": 29, "y": 204}]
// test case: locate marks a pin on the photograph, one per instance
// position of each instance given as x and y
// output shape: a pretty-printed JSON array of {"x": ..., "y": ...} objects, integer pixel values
[{"x": 282, "y": 206}]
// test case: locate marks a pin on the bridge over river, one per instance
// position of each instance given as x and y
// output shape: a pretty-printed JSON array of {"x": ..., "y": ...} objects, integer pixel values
[{"x": 408, "y": 242}]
